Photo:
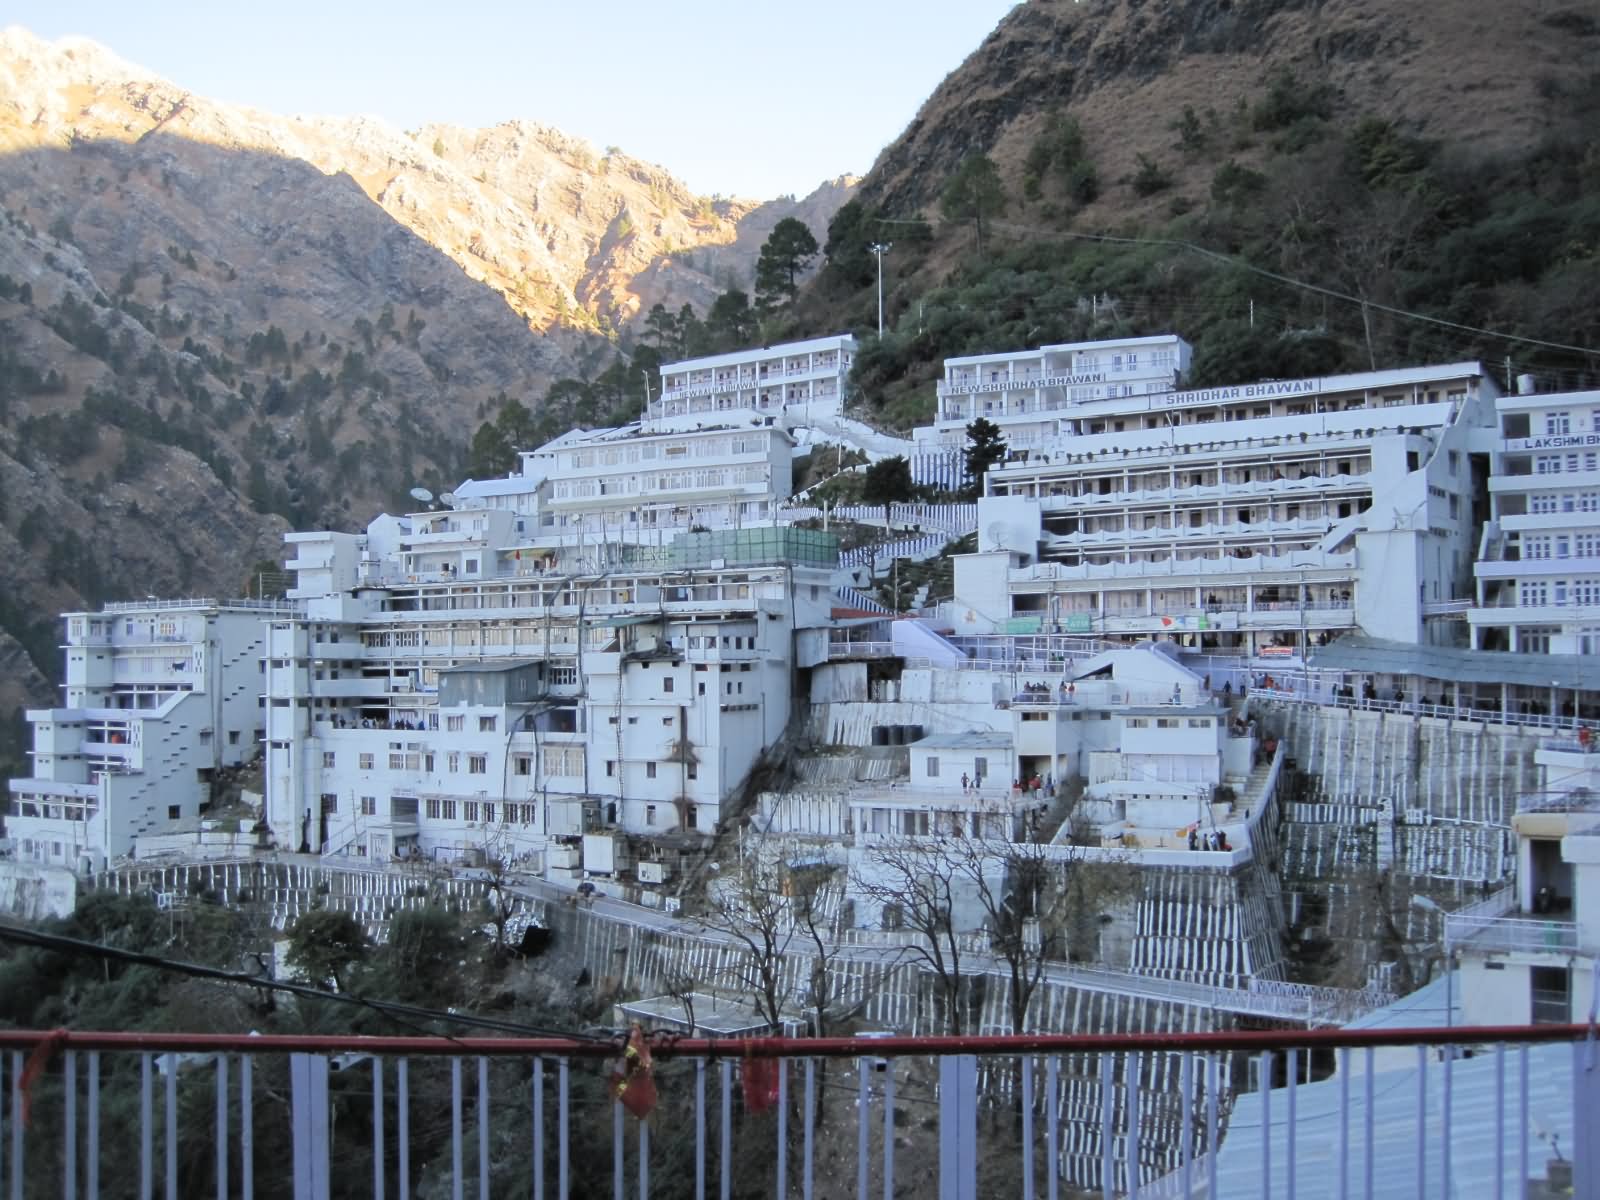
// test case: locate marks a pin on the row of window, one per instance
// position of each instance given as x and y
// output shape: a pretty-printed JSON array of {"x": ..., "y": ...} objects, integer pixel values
[
  {"x": 1552, "y": 502},
  {"x": 1561, "y": 545},
  {"x": 1537, "y": 593},
  {"x": 439, "y": 808},
  {"x": 646, "y": 451},
  {"x": 477, "y": 764},
  {"x": 1555, "y": 464},
  {"x": 1559, "y": 424}
]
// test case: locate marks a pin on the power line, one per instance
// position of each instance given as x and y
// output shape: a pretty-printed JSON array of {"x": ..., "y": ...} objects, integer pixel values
[
  {"x": 405, "y": 1014},
  {"x": 1290, "y": 281}
]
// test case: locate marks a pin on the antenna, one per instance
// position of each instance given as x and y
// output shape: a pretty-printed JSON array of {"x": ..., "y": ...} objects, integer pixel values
[
  {"x": 422, "y": 494},
  {"x": 447, "y": 498}
]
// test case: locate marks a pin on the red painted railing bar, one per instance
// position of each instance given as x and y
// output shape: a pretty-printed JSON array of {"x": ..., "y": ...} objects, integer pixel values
[{"x": 829, "y": 1047}]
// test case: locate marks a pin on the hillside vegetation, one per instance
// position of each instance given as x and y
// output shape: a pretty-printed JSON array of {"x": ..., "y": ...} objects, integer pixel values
[{"x": 1198, "y": 216}]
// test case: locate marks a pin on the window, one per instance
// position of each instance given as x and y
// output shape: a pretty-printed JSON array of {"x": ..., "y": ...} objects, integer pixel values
[
  {"x": 327, "y": 760},
  {"x": 563, "y": 760},
  {"x": 454, "y": 724},
  {"x": 471, "y": 811},
  {"x": 933, "y": 766},
  {"x": 365, "y": 762},
  {"x": 649, "y": 814},
  {"x": 488, "y": 814},
  {"x": 174, "y": 812},
  {"x": 666, "y": 684},
  {"x": 452, "y": 762},
  {"x": 650, "y": 770},
  {"x": 486, "y": 724},
  {"x": 369, "y": 806},
  {"x": 449, "y": 807},
  {"x": 611, "y": 767},
  {"x": 693, "y": 771},
  {"x": 433, "y": 808},
  {"x": 477, "y": 764},
  {"x": 523, "y": 764},
  {"x": 1556, "y": 423},
  {"x": 1550, "y": 995}
]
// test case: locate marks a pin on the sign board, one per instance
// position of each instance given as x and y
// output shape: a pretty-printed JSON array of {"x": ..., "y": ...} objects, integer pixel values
[{"x": 1079, "y": 623}]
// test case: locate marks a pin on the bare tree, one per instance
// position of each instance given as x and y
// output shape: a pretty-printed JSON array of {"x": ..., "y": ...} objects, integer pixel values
[
  {"x": 807, "y": 891},
  {"x": 917, "y": 884},
  {"x": 680, "y": 986},
  {"x": 747, "y": 904},
  {"x": 1021, "y": 889}
]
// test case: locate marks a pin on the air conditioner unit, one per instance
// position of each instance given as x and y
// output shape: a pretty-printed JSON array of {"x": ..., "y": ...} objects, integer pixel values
[{"x": 652, "y": 872}]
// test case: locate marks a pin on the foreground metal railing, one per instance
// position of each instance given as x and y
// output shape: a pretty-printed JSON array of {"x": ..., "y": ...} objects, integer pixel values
[{"x": 1414, "y": 1112}]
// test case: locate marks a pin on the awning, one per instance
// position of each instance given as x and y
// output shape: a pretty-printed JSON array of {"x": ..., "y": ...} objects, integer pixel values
[
  {"x": 1359, "y": 654},
  {"x": 622, "y": 622}
]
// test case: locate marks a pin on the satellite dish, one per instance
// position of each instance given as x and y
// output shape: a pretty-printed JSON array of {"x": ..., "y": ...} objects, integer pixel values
[
  {"x": 422, "y": 494},
  {"x": 447, "y": 497},
  {"x": 997, "y": 536}
]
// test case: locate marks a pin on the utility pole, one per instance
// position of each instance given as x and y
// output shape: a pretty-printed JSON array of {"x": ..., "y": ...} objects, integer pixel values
[{"x": 879, "y": 249}]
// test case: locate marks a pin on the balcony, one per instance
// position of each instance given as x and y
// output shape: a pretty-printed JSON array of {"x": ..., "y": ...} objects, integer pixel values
[
  {"x": 1496, "y": 926},
  {"x": 1155, "y": 1115}
]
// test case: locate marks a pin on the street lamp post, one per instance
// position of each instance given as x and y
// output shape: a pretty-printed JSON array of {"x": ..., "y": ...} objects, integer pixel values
[{"x": 879, "y": 249}]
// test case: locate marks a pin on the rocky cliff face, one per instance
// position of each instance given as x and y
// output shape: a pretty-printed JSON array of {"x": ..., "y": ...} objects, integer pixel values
[
  {"x": 216, "y": 322},
  {"x": 1463, "y": 71}
]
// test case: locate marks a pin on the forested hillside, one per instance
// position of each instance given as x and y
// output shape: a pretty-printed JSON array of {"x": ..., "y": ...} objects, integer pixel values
[{"x": 1282, "y": 183}]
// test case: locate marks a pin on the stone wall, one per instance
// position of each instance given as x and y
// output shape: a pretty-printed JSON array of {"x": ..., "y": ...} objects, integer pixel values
[{"x": 1392, "y": 820}]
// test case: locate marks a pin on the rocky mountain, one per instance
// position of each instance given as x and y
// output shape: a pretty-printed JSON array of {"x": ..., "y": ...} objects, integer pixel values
[
  {"x": 217, "y": 322},
  {"x": 1460, "y": 71},
  {"x": 1296, "y": 186}
]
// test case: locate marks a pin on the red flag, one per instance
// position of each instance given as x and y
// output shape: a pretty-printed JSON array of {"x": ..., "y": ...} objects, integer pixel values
[
  {"x": 759, "y": 1078},
  {"x": 634, "y": 1083}
]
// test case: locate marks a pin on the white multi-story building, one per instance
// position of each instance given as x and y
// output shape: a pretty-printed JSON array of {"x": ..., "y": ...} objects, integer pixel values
[
  {"x": 777, "y": 385},
  {"x": 525, "y": 694},
  {"x": 1035, "y": 396},
  {"x": 1528, "y": 953},
  {"x": 158, "y": 696},
  {"x": 1259, "y": 519},
  {"x": 1538, "y": 568}
]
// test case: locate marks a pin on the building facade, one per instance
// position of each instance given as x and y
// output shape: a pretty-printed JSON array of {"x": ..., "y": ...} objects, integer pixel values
[
  {"x": 781, "y": 386},
  {"x": 158, "y": 697},
  {"x": 537, "y": 697},
  {"x": 1538, "y": 564},
  {"x": 1259, "y": 520}
]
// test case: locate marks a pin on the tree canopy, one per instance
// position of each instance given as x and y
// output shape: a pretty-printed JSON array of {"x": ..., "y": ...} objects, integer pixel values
[
  {"x": 888, "y": 481},
  {"x": 788, "y": 250},
  {"x": 986, "y": 448},
  {"x": 975, "y": 193}
]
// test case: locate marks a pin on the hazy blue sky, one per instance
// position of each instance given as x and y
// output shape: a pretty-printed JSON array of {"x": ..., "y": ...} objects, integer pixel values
[{"x": 747, "y": 97}]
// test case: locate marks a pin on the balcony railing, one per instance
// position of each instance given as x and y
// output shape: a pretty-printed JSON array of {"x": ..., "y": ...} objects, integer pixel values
[
  {"x": 1497, "y": 926},
  {"x": 1163, "y": 1115}
]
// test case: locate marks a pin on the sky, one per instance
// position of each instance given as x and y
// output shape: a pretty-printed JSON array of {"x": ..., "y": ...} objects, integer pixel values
[{"x": 744, "y": 97}]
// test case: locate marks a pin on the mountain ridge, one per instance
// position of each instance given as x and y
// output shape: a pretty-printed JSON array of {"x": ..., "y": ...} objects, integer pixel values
[{"x": 217, "y": 323}]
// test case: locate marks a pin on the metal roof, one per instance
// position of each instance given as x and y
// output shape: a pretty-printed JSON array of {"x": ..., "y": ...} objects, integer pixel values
[
  {"x": 489, "y": 668},
  {"x": 1360, "y": 654},
  {"x": 1476, "y": 1128},
  {"x": 970, "y": 740}
]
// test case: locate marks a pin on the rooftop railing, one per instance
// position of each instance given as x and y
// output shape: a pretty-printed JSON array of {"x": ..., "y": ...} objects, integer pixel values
[
  {"x": 1165, "y": 1114},
  {"x": 238, "y": 605}
]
